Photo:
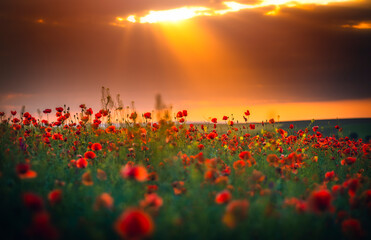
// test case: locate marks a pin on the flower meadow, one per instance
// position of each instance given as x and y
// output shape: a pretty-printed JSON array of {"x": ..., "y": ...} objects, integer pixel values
[{"x": 85, "y": 177}]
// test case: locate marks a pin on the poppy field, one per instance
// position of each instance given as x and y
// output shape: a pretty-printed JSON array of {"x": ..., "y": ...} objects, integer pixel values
[{"x": 85, "y": 176}]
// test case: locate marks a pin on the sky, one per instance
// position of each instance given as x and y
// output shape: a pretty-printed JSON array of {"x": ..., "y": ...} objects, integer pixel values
[{"x": 301, "y": 60}]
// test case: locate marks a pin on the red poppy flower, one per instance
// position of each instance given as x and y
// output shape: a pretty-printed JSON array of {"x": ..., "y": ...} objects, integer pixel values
[
  {"x": 96, "y": 147},
  {"x": 240, "y": 164},
  {"x": 247, "y": 113},
  {"x": 46, "y": 111},
  {"x": 98, "y": 115},
  {"x": 134, "y": 224},
  {"x": 33, "y": 201},
  {"x": 273, "y": 160},
  {"x": 104, "y": 201},
  {"x": 348, "y": 161},
  {"x": 185, "y": 113},
  {"x": 152, "y": 188},
  {"x": 252, "y": 126},
  {"x": 212, "y": 135},
  {"x": 214, "y": 120},
  {"x": 89, "y": 155},
  {"x": 330, "y": 176},
  {"x": 291, "y": 126},
  {"x": 225, "y": 118},
  {"x": 59, "y": 109},
  {"x": 138, "y": 173},
  {"x": 24, "y": 171},
  {"x": 81, "y": 163},
  {"x": 179, "y": 114},
  {"x": 320, "y": 201},
  {"x": 41, "y": 228},
  {"x": 13, "y": 112},
  {"x": 147, "y": 115},
  {"x": 245, "y": 155},
  {"x": 55, "y": 196},
  {"x": 352, "y": 227},
  {"x": 87, "y": 179},
  {"x": 89, "y": 111},
  {"x": 111, "y": 129},
  {"x": 152, "y": 200},
  {"x": 223, "y": 197},
  {"x": 101, "y": 175},
  {"x": 178, "y": 187}
]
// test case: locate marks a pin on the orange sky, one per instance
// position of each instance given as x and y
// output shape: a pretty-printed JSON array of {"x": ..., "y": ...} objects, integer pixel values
[{"x": 300, "y": 60}]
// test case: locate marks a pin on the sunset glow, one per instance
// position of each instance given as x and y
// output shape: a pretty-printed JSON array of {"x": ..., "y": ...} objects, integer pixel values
[
  {"x": 183, "y": 13},
  {"x": 298, "y": 59}
]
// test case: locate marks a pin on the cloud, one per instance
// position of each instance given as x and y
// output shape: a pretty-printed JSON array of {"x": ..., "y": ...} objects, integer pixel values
[
  {"x": 360, "y": 25},
  {"x": 11, "y": 96}
]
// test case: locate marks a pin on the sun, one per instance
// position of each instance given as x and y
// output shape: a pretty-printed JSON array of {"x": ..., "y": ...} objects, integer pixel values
[{"x": 174, "y": 15}]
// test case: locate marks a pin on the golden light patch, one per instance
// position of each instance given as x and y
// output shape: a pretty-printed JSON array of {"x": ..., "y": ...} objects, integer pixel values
[
  {"x": 187, "y": 12},
  {"x": 40, "y": 20},
  {"x": 361, "y": 25}
]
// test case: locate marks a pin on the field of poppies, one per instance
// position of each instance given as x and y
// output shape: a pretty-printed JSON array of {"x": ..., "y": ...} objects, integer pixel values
[{"x": 85, "y": 176}]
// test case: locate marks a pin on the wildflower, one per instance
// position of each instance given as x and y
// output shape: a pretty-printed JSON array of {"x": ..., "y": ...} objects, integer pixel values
[
  {"x": 225, "y": 118},
  {"x": 273, "y": 160},
  {"x": 212, "y": 135},
  {"x": 320, "y": 201},
  {"x": 238, "y": 165},
  {"x": 152, "y": 188},
  {"x": 152, "y": 200},
  {"x": 96, "y": 147},
  {"x": 291, "y": 126},
  {"x": 24, "y": 171},
  {"x": 247, "y": 113},
  {"x": 87, "y": 179},
  {"x": 138, "y": 173},
  {"x": 147, "y": 115},
  {"x": 101, "y": 175},
  {"x": 178, "y": 187},
  {"x": 185, "y": 113},
  {"x": 13, "y": 112},
  {"x": 33, "y": 201},
  {"x": 89, "y": 111},
  {"x": 214, "y": 120},
  {"x": 348, "y": 161},
  {"x": 252, "y": 126},
  {"x": 81, "y": 163},
  {"x": 89, "y": 155},
  {"x": 179, "y": 114},
  {"x": 55, "y": 196},
  {"x": 330, "y": 176},
  {"x": 352, "y": 228},
  {"x": 46, "y": 111},
  {"x": 223, "y": 197},
  {"x": 59, "y": 109},
  {"x": 236, "y": 211},
  {"x": 104, "y": 201},
  {"x": 111, "y": 129},
  {"x": 134, "y": 224},
  {"x": 352, "y": 185},
  {"x": 245, "y": 155},
  {"x": 41, "y": 228}
]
